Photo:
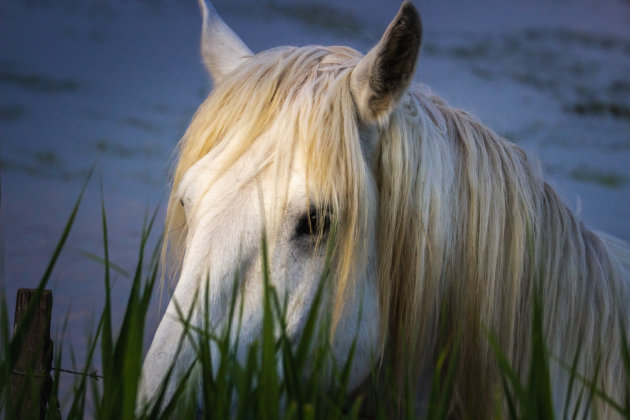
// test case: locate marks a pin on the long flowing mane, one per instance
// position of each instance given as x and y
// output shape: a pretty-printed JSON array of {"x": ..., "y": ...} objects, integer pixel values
[
  {"x": 482, "y": 232},
  {"x": 467, "y": 228}
]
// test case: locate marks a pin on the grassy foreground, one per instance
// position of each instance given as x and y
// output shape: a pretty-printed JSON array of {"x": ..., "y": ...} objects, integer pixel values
[{"x": 279, "y": 379}]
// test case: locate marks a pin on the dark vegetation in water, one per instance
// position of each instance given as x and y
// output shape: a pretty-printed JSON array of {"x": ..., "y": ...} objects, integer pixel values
[
  {"x": 11, "y": 112},
  {"x": 586, "y": 73},
  {"x": 38, "y": 82},
  {"x": 43, "y": 163},
  {"x": 606, "y": 179},
  {"x": 321, "y": 16},
  {"x": 601, "y": 108}
]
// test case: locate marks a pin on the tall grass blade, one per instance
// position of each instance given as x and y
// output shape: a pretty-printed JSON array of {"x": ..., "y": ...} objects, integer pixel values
[
  {"x": 110, "y": 382},
  {"x": 539, "y": 388},
  {"x": 100, "y": 260},
  {"x": 573, "y": 375},
  {"x": 625, "y": 355},
  {"x": 268, "y": 373}
]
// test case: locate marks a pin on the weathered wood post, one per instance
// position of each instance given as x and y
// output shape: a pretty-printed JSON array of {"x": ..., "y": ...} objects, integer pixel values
[{"x": 31, "y": 380}]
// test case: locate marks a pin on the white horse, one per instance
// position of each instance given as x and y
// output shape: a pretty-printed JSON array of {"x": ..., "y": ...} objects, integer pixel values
[{"x": 439, "y": 221}]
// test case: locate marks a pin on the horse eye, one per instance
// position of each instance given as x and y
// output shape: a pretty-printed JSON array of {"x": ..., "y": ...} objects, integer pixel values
[
  {"x": 181, "y": 201},
  {"x": 312, "y": 223}
]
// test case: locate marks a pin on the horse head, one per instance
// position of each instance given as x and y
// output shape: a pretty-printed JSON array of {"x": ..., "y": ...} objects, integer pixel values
[{"x": 282, "y": 153}]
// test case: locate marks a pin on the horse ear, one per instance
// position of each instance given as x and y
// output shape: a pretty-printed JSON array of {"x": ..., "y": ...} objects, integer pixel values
[
  {"x": 382, "y": 76},
  {"x": 222, "y": 50}
]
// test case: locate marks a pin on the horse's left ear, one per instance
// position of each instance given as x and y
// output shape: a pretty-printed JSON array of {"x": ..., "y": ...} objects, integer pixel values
[
  {"x": 383, "y": 75},
  {"x": 221, "y": 49}
]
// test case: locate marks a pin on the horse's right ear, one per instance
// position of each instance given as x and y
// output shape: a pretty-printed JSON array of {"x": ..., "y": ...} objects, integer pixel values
[
  {"x": 221, "y": 49},
  {"x": 383, "y": 75}
]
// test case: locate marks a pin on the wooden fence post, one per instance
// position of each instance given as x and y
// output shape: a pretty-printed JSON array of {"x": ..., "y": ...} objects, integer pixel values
[{"x": 31, "y": 381}]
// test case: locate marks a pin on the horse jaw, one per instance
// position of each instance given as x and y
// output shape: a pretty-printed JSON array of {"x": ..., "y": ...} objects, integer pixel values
[{"x": 222, "y": 50}]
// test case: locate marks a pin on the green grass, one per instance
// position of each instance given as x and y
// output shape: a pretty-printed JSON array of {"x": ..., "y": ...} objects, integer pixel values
[{"x": 279, "y": 378}]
